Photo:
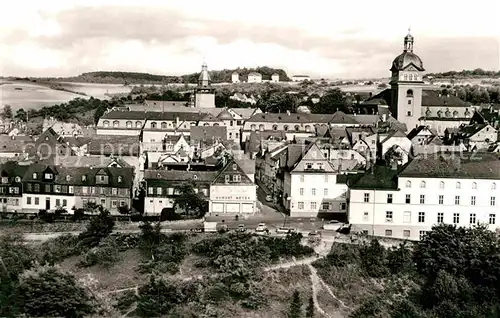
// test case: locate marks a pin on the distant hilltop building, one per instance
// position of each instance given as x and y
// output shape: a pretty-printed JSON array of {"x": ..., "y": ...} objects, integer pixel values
[
  {"x": 275, "y": 78},
  {"x": 235, "y": 77},
  {"x": 254, "y": 77},
  {"x": 204, "y": 96},
  {"x": 300, "y": 78}
]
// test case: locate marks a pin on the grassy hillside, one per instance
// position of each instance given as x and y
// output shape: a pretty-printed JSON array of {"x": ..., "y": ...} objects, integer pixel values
[
  {"x": 114, "y": 77},
  {"x": 477, "y": 73}
]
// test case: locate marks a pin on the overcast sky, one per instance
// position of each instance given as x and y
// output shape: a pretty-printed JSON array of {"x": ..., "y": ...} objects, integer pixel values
[{"x": 323, "y": 38}]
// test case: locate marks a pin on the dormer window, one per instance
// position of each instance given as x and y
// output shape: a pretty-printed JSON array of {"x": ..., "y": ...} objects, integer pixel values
[
  {"x": 84, "y": 178},
  {"x": 105, "y": 124},
  {"x": 309, "y": 165},
  {"x": 18, "y": 179},
  {"x": 163, "y": 125},
  {"x": 47, "y": 138},
  {"x": 49, "y": 176},
  {"x": 275, "y": 127},
  {"x": 153, "y": 125},
  {"x": 129, "y": 124},
  {"x": 120, "y": 179},
  {"x": 35, "y": 175},
  {"x": 297, "y": 127},
  {"x": 138, "y": 124},
  {"x": 68, "y": 177},
  {"x": 234, "y": 166},
  {"x": 116, "y": 123},
  {"x": 226, "y": 178},
  {"x": 285, "y": 128},
  {"x": 195, "y": 177}
]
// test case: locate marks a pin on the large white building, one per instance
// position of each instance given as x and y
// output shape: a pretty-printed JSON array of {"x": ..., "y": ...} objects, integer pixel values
[
  {"x": 313, "y": 186},
  {"x": 407, "y": 202}
]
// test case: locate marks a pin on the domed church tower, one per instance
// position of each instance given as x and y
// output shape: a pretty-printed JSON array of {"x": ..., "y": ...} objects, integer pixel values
[
  {"x": 406, "y": 85},
  {"x": 204, "y": 95}
]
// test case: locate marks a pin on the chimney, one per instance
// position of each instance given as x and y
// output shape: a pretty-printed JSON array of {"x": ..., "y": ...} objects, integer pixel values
[{"x": 384, "y": 118}]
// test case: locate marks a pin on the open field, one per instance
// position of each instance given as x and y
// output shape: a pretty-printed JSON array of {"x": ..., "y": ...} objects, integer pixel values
[{"x": 27, "y": 95}]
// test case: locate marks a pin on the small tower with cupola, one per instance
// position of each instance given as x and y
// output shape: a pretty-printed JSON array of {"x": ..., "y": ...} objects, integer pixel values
[
  {"x": 407, "y": 85},
  {"x": 204, "y": 94}
]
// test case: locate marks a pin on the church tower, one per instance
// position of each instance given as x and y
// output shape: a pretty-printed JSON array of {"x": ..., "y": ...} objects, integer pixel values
[
  {"x": 406, "y": 85},
  {"x": 204, "y": 94}
]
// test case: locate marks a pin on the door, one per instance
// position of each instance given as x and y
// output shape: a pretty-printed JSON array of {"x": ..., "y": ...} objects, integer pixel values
[
  {"x": 47, "y": 204},
  {"x": 4, "y": 204}
]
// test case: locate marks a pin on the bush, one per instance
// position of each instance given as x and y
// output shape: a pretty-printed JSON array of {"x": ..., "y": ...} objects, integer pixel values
[
  {"x": 58, "y": 249},
  {"x": 126, "y": 300},
  {"x": 47, "y": 292},
  {"x": 106, "y": 254},
  {"x": 99, "y": 227},
  {"x": 157, "y": 298}
]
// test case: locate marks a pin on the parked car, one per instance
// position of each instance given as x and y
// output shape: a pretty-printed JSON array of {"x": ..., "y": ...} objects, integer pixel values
[
  {"x": 198, "y": 230},
  {"x": 314, "y": 233},
  {"x": 261, "y": 227},
  {"x": 332, "y": 225},
  {"x": 285, "y": 230},
  {"x": 269, "y": 198},
  {"x": 241, "y": 228}
]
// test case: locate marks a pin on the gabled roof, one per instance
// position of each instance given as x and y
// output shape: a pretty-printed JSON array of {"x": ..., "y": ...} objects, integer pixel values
[
  {"x": 209, "y": 117},
  {"x": 461, "y": 165},
  {"x": 430, "y": 98},
  {"x": 340, "y": 117},
  {"x": 471, "y": 130},
  {"x": 231, "y": 169},
  {"x": 175, "y": 176},
  {"x": 415, "y": 131},
  {"x": 394, "y": 134}
]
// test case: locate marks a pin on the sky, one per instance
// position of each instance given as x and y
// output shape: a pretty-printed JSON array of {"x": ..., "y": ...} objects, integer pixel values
[{"x": 320, "y": 38}]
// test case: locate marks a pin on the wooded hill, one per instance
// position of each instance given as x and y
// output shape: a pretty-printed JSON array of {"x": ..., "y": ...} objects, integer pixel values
[{"x": 114, "y": 77}]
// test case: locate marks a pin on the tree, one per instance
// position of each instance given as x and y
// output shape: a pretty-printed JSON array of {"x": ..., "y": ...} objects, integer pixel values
[
  {"x": 295, "y": 306},
  {"x": 330, "y": 102},
  {"x": 46, "y": 291},
  {"x": 310, "y": 308},
  {"x": 99, "y": 227},
  {"x": 7, "y": 112},
  {"x": 373, "y": 259},
  {"x": 157, "y": 298},
  {"x": 107, "y": 253},
  {"x": 21, "y": 115},
  {"x": 189, "y": 201}
]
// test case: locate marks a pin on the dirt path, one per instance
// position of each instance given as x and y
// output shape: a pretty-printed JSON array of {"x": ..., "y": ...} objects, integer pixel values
[
  {"x": 322, "y": 283},
  {"x": 315, "y": 283}
]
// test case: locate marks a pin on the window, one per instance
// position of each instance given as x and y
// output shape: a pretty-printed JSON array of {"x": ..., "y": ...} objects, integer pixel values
[
  {"x": 301, "y": 205},
  {"x": 456, "y": 218},
  {"x": 421, "y": 234},
  {"x": 457, "y": 200},
  {"x": 313, "y": 205},
  {"x": 105, "y": 123},
  {"x": 388, "y": 232},
  {"x": 408, "y": 184},
  {"x": 163, "y": 125},
  {"x": 226, "y": 178},
  {"x": 128, "y": 124},
  {"x": 326, "y": 178},
  {"x": 103, "y": 202},
  {"x": 71, "y": 189},
  {"x": 150, "y": 190},
  {"x": 301, "y": 191},
  {"x": 48, "y": 176},
  {"x": 114, "y": 191},
  {"x": 492, "y": 219},
  {"x": 116, "y": 123},
  {"x": 313, "y": 191},
  {"x": 325, "y": 192},
  {"x": 421, "y": 217},
  {"x": 47, "y": 188},
  {"x": 493, "y": 186},
  {"x": 408, "y": 199},
  {"x": 85, "y": 190},
  {"x": 114, "y": 203},
  {"x": 422, "y": 184},
  {"x": 138, "y": 124},
  {"x": 406, "y": 217},
  {"x": 406, "y": 233},
  {"x": 459, "y": 185},
  {"x": 343, "y": 206},
  {"x": 120, "y": 179},
  {"x": 440, "y": 217},
  {"x": 492, "y": 201},
  {"x": 441, "y": 199},
  {"x": 153, "y": 125},
  {"x": 158, "y": 191},
  {"x": 325, "y": 206},
  {"x": 472, "y": 218},
  {"x": 408, "y": 113},
  {"x": 84, "y": 178},
  {"x": 422, "y": 199},
  {"x": 37, "y": 201},
  {"x": 302, "y": 178},
  {"x": 65, "y": 202},
  {"x": 236, "y": 178},
  {"x": 28, "y": 200},
  {"x": 388, "y": 216},
  {"x": 366, "y": 197},
  {"x": 389, "y": 198},
  {"x": 261, "y": 127},
  {"x": 365, "y": 216},
  {"x": 474, "y": 185},
  {"x": 409, "y": 93},
  {"x": 441, "y": 185},
  {"x": 58, "y": 202},
  {"x": 473, "y": 200}
]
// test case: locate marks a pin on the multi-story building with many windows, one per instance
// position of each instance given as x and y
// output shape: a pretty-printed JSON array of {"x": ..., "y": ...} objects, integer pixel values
[{"x": 407, "y": 202}]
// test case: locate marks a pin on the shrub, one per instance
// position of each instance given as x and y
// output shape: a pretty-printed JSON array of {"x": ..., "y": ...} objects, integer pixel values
[
  {"x": 99, "y": 227},
  {"x": 157, "y": 298},
  {"x": 58, "y": 249},
  {"x": 47, "y": 292},
  {"x": 125, "y": 300},
  {"x": 105, "y": 254}
]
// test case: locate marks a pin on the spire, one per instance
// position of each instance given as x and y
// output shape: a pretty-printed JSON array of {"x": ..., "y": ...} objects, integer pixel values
[
  {"x": 408, "y": 42},
  {"x": 204, "y": 79}
]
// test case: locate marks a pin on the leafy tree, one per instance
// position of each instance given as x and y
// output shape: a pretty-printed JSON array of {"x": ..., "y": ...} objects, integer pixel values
[
  {"x": 157, "y": 298},
  {"x": 7, "y": 112},
  {"x": 107, "y": 253},
  {"x": 21, "y": 115},
  {"x": 373, "y": 259},
  {"x": 295, "y": 310},
  {"x": 189, "y": 201},
  {"x": 99, "y": 227},
  {"x": 45, "y": 291},
  {"x": 400, "y": 259},
  {"x": 332, "y": 101},
  {"x": 150, "y": 238},
  {"x": 310, "y": 308}
]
